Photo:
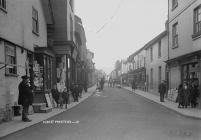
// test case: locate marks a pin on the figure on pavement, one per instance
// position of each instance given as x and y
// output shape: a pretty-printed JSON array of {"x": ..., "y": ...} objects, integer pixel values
[
  {"x": 102, "y": 81},
  {"x": 133, "y": 85},
  {"x": 162, "y": 90},
  {"x": 25, "y": 97},
  {"x": 186, "y": 94},
  {"x": 180, "y": 96},
  {"x": 55, "y": 95},
  {"x": 65, "y": 96}
]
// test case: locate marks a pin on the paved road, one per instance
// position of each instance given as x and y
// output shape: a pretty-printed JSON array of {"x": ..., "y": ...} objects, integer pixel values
[{"x": 114, "y": 114}]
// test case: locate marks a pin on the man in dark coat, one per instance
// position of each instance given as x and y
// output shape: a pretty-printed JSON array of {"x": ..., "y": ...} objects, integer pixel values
[
  {"x": 133, "y": 85},
  {"x": 162, "y": 90},
  {"x": 25, "y": 97}
]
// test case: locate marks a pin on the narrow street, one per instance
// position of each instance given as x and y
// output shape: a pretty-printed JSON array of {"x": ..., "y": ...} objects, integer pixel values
[{"x": 114, "y": 114}]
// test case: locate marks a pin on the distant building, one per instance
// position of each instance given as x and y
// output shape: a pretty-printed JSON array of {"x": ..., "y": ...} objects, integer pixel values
[{"x": 137, "y": 69}]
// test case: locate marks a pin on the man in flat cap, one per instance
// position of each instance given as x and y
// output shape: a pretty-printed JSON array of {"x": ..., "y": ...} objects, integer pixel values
[{"x": 25, "y": 97}]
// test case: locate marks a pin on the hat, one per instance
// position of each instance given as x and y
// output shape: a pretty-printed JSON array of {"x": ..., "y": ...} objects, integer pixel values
[{"x": 25, "y": 77}]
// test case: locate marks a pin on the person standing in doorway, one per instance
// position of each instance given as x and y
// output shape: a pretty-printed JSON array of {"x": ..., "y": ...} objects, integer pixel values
[
  {"x": 180, "y": 97},
  {"x": 162, "y": 90},
  {"x": 25, "y": 97}
]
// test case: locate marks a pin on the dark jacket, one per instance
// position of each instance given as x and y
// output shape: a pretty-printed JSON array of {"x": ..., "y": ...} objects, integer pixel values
[
  {"x": 25, "y": 94},
  {"x": 180, "y": 97},
  {"x": 133, "y": 85},
  {"x": 162, "y": 88}
]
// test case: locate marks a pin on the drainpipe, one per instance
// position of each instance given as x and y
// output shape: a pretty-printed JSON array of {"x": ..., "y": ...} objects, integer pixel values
[{"x": 169, "y": 72}]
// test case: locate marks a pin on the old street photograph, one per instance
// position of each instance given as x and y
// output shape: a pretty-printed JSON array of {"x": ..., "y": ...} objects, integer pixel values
[{"x": 100, "y": 69}]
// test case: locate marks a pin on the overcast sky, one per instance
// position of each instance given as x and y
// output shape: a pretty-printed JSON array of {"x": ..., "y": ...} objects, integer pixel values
[{"x": 117, "y": 28}]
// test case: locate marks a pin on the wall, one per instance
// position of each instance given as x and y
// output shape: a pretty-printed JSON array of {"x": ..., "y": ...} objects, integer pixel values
[
  {"x": 157, "y": 61},
  {"x": 183, "y": 14},
  {"x": 16, "y": 27}
]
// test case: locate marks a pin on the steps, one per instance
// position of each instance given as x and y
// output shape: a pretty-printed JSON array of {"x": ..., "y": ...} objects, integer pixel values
[{"x": 41, "y": 108}]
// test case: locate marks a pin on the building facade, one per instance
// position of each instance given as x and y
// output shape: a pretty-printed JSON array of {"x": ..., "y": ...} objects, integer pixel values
[
  {"x": 137, "y": 70},
  {"x": 62, "y": 41},
  {"x": 18, "y": 37},
  {"x": 184, "y": 41},
  {"x": 156, "y": 55}
]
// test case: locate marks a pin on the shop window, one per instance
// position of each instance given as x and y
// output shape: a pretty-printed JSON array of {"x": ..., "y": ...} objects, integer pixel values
[
  {"x": 159, "y": 74},
  {"x": 151, "y": 54},
  {"x": 159, "y": 49},
  {"x": 151, "y": 73},
  {"x": 10, "y": 57}
]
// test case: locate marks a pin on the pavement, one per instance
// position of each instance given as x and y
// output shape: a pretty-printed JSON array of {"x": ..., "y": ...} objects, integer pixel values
[
  {"x": 16, "y": 124},
  {"x": 188, "y": 112}
]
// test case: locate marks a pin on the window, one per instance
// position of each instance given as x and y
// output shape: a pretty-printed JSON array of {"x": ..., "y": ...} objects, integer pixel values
[
  {"x": 71, "y": 28},
  {"x": 10, "y": 57},
  {"x": 151, "y": 54},
  {"x": 159, "y": 49},
  {"x": 174, "y": 4},
  {"x": 159, "y": 74},
  {"x": 197, "y": 20},
  {"x": 151, "y": 82},
  {"x": 175, "y": 35},
  {"x": 3, "y": 4},
  {"x": 35, "y": 21}
]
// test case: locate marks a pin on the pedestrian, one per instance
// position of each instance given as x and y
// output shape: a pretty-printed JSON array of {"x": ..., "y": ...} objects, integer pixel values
[
  {"x": 72, "y": 89},
  {"x": 85, "y": 86},
  {"x": 186, "y": 95},
  {"x": 162, "y": 90},
  {"x": 60, "y": 89},
  {"x": 102, "y": 83},
  {"x": 180, "y": 96},
  {"x": 76, "y": 93},
  {"x": 80, "y": 90},
  {"x": 65, "y": 96},
  {"x": 133, "y": 85},
  {"x": 55, "y": 95},
  {"x": 194, "y": 96},
  {"x": 25, "y": 97}
]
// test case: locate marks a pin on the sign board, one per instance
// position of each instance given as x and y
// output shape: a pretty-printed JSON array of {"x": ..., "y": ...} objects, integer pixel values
[{"x": 49, "y": 103}]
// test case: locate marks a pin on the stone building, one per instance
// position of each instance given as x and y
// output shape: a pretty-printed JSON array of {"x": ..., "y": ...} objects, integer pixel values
[
  {"x": 23, "y": 26},
  {"x": 156, "y": 55},
  {"x": 184, "y": 55}
]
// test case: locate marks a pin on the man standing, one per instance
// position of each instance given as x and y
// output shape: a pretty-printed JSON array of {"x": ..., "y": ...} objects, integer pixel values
[
  {"x": 133, "y": 85},
  {"x": 162, "y": 90},
  {"x": 25, "y": 97}
]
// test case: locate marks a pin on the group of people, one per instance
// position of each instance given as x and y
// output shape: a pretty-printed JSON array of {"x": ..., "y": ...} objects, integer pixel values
[
  {"x": 60, "y": 95},
  {"x": 187, "y": 95},
  {"x": 111, "y": 83}
]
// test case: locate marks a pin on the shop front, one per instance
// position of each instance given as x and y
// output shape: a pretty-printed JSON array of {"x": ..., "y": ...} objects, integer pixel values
[
  {"x": 139, "y": 76},
  {"x": 43, "y": 73},
  {"x": 185, "y": 69}
]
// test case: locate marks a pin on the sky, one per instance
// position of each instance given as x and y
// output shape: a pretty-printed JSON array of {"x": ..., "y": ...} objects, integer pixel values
[{"x": 115, "y": 29}]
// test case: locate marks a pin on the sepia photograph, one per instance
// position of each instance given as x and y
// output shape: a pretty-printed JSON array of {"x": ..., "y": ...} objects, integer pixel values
[{"x": 100, "y": 69}]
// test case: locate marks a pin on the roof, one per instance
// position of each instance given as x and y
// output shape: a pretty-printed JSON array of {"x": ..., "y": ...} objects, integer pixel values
[{"x": 146, "y": 46}]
